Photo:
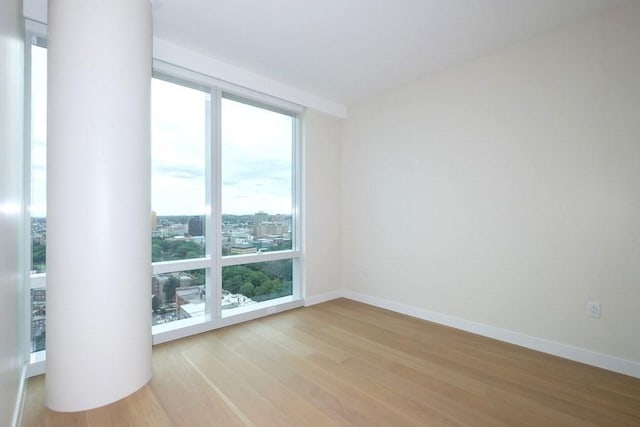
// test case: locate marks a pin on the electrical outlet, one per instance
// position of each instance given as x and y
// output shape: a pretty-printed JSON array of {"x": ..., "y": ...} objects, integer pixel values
[{"x": 593, "y": 309}]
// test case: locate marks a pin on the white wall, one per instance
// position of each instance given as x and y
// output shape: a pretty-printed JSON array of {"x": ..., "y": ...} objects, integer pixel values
[
  {"x": 322, "y": 152},
  {"x": 12, "y": 346},
  {"x": 506, "y": 191}
]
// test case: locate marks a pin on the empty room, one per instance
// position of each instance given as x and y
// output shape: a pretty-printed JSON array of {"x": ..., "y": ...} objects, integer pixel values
[{"x": 283, "y": 213}]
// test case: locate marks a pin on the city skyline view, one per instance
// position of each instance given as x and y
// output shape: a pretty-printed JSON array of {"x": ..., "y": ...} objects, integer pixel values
[{"x": 254, "y": 186}]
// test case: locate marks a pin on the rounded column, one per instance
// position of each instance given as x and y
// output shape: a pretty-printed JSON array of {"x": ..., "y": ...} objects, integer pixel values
[{"x": 98, "y": 202}]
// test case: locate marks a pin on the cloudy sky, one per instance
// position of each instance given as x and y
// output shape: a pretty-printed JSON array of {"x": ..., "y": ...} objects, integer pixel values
[
  {"x": 38, "y": 131},
  {"x": 256, "y": 154},
  {"x": 256, "y": 151}
]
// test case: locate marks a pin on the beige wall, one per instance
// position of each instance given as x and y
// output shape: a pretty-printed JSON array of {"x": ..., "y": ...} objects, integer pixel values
[
  {"x": 506, "y": 191},
  {"x": 12, "y": 346},
  {"x": 322, "y": 135}
]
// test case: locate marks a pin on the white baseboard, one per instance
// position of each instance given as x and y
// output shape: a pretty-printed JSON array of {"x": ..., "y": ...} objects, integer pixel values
[
  {"x": 566, "y": 351},
  {"x": 318, "y": 299},
  {"x": 20, "y": 398}
]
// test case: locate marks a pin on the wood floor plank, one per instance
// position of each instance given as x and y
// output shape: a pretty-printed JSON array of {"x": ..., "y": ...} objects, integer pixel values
[
  {"x": 326, "y": 358},
  {"x": 515, "y": 382},
  {"x": 35, "y": 414},
  {"x": 345, "y": 363},
  {"x": 454, "y": 370},
  {"x": 296, "y": 411},
  {"x": 139, "y": 409},
  {"x": 312, "y": 372},
  {"x": 179, "y": 387}
]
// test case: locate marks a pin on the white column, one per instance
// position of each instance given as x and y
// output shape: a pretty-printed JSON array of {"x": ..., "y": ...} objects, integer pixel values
[{"x": 98, "y": 196}]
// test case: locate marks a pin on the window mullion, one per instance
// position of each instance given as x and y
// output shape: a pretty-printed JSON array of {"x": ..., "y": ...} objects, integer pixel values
[
  {"x": 256, "y": 258},
  {"x": 26, "y": 211},
  {"x": 298, "y": 214},
  {"x": 215, "y": 161}
]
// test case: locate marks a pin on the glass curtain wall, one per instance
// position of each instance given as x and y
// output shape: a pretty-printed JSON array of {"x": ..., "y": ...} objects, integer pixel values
[{"x": 224, "y": 217}]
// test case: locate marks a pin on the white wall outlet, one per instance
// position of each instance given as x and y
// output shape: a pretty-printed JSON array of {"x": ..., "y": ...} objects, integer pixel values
[{"x": 593, "y": 309}]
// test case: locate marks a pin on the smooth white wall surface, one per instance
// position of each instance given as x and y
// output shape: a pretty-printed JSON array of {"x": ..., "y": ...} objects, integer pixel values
[
  {"x": 506, "y": 191},
  {"x": 98, "y": 202},
  {"x": 12, "y": 328},
  {"x": 322, "y": 171}
]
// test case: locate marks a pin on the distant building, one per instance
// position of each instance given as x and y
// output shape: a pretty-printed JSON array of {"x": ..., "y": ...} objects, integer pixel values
[
  {"x": 185, "y": 279},
  {"x": 190, "y": 302},
  {"x": 155, "y": 287},
  {"x": 258, "y": 219},
  {"x": 243, "y": 249},
  {"x": 261, "y": 217},
  {"x": 195, "y": 226},
  {"x": 154, "y": 221},
  {"x": 234, "y": 300},
  {"x": 176, "y": 230},
  {"x": 38, "y": 318},
  {"x": 263, "y": 244},
  {"x": 272, "y": 229}
]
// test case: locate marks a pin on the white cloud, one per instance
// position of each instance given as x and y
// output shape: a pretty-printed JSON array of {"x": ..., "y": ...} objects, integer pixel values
[
  {"x": 256, "y": 151},
  {"x": 257, "y": 159},
  {"x": 178, "y": 134}
]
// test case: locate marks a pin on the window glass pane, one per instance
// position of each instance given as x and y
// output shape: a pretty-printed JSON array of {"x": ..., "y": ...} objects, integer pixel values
[
  {"x": 177, "y": 295},
  {"x": 38, "y": 319},
  {"x": 261, "y": 281},
  {"x": 179, "y": 128},
  {"x": 256, "y": 179},
  {"x": 38, "y": 202},
  {"x": 173, "y": 239}
]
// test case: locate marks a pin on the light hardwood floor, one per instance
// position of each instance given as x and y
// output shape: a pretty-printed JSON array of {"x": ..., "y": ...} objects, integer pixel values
[{"x": 346, "y": 363}]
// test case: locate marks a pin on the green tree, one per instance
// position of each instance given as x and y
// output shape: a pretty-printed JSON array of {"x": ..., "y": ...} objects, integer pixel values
[
  {"x": 192, "y": 254},
  {"x": 234, "y": 284},
  {"x": 198, "y": 277},
  {"x": 156, "y": 252},
  {"x": 155, "y": 303},
  {"x": 38, "y": 256},
  {"x": 233, "y": 277},
  {"x": 281, "y": 246},
  {"x": 269, "y": 288},
  {"x": 257, "y": 278},
  {"x": 268, "y": 279},
  {"x": 246, "y": 289},
  {"x": 169, "y": 289}
]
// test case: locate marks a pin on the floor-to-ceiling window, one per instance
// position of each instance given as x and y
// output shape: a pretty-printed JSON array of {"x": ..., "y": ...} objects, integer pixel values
[
  {"x": 180, "y": 141},
  {"x": 225, "y": 203},
  {"x": 258, "y": 145},
  {"x": 37, "y": 188}
]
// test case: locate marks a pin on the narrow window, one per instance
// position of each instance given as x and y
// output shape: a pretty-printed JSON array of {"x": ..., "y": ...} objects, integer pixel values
[
  {"x": 179, "y": 117},
  {"x": 37, "y": 155}
]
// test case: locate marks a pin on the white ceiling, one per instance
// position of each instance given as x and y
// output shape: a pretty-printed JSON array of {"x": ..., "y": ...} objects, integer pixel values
[{"x": 345, "y": 50}]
